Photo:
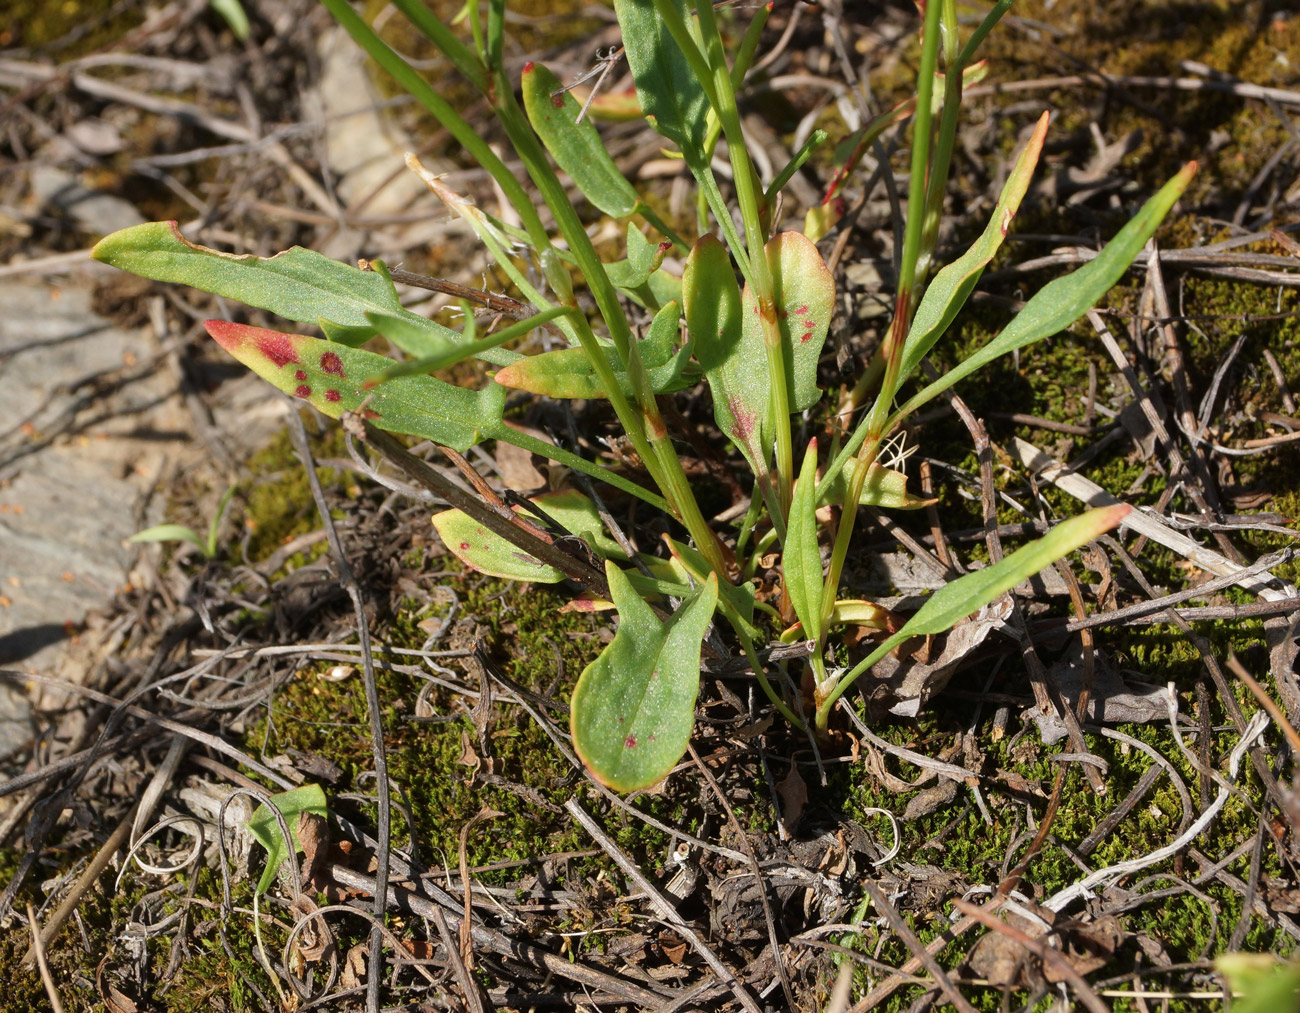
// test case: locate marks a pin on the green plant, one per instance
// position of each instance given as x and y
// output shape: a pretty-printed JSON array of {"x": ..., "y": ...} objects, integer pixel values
[
  {"x": 754, "y": 339},
  {"x": 180, "y": 533}
]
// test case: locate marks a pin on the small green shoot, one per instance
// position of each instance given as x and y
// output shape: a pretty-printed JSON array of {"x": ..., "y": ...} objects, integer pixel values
[{"x": 208, "y": 546}]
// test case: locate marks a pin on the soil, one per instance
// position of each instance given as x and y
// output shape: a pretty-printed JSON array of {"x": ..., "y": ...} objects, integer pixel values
[{"x": 993, "y": 842}]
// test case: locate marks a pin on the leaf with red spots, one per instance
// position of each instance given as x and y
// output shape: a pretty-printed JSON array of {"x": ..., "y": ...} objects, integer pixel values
[
  {"x": 728, "y": 333},
  {"x": 330, "y": 376},
  {"x": 633, "y": 709},
  {"x": 805, "y": 299},
  {"x": 577, "y": 147},
  {"x": 297, "y": 284}
]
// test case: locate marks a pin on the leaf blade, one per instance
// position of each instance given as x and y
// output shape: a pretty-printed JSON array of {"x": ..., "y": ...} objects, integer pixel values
[{"x": 633, "y": 709}]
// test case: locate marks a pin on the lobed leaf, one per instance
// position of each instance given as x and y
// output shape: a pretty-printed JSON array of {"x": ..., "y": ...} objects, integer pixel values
[
  {"x": 298, "y": 284},
  {"x": 265, "y": 827},
  {"x": 331, "y": 378},
  {"x": 633, "y": 709},
  {"x": 576, "y": 146}
]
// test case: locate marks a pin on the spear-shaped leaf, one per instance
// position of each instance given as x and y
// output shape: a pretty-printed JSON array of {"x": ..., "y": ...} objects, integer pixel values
[
  {"x": 946, "y": 295},
  {"x": 634, "y": 706},
  {"x": 959, "y": 598},
  {"x": 1061, "y": 302}
]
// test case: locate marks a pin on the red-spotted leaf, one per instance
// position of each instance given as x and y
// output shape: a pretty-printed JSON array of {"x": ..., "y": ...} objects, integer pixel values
[
  {"x": 805, "y": 299},
  {"x": 330, "y": 376},
  {"x": 487, "y": 552},
  {"x": 732, "y": 357},
  {"x": 575, "y": 146},
  {"x": 633, "y": 709}
]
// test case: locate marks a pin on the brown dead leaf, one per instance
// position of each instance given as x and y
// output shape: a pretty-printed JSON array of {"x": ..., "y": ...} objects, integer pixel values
[
  {"x": 673, "y": 946},
  {"x": 1001, "y": 959},
  {"x": 794, "y": 796},
  {"x": 354, "y": 966},
  {"x": 114, "y": 1000},
  {"x": 516, "y": 467},
  {"x": 931, "y": 799},
  {"x": 314, "y": 839},
  {"x": 468, "y": 758},
  {"x": 420, "y": 949},
  {"x": 1089, "y": 947}
]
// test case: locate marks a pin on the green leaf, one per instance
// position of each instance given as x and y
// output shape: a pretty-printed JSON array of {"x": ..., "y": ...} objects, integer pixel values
[
  {"x": 568, "y": 372},
  {"x": 733, "y": 358},
  {"x": 232, "y": 13},
  {"x": 1265, "y": 984},
  {"x": 801, "y": 561},
  {"x": 643, "y": 259},
  {"x": 884, "y": 487},
  {"x": 297, "y": 284},
  {"x": 805, "y": 299},
  {"x": 576, "y": 147},
  {"x": 951, "y": 287},
  {"x": 487, "y": 552},
  {"x": 689, "y": 564},
  {"x": 959, "y": 598},
  {"x": 171, "y": 533},
  {"x": 331, "y": 377},
  {"x": 633, "y": 709},
  {"x": 1061, "y": 302},
  {"x": 728, "y": 334},
  {"x": 671, "y": 97},
  {"x": 310, "y": 798}
]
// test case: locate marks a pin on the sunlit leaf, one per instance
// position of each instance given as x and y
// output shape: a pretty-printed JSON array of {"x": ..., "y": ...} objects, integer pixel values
[
  {"x": 298, "y": 284},
  {"x": 801, "y": 561},
  {"x": 633, "y": 709},
  {"x": 263, "y": 825},
  {"x": 576, "y": 147},
  {"x": 670, "y": 95},
  {"x": 330, "y": 377}
]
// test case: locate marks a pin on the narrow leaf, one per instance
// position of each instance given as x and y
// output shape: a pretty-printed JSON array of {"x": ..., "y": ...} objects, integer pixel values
[
  {"x": 633, "y": 709},
  {"x": 1061, "y": 302},
  {"x": 801, "y": 561},
  {"x": 948, "y": 292},
  {"x": 265, "y": 827},
  {"x": 576, "y": 146},
  {"x": 171, "y": 533},
  {"x": 331, "y": 377},
  {"x": 298, "y": 284},
  {"x": 958, "y": 599}
]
